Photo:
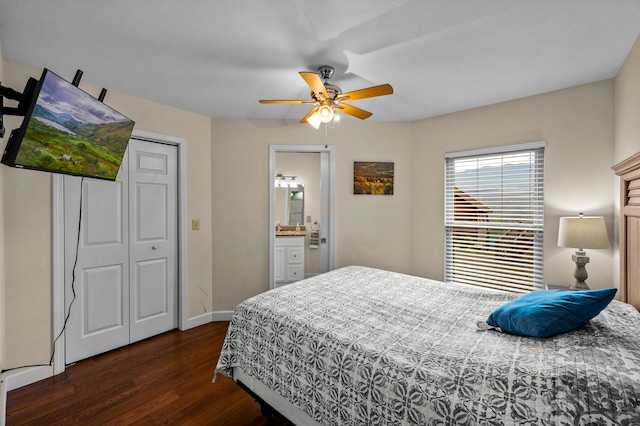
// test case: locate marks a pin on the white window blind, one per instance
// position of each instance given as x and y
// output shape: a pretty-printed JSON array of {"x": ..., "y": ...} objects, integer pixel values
[{"x": 494, "y": 213}]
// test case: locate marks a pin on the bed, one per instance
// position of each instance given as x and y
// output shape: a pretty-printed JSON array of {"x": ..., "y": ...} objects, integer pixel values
[{"x": 362, "y": 346}]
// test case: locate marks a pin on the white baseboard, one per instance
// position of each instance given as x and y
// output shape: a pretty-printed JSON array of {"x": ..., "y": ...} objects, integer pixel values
[
  {"x": 196, "y": 321},
  {"x": 26, "y": 376},
  {"x": 16, "y": 379},
  {"x": 222, "y": 315},
  {"x": 207, "y": 318},
  {"x": 3, "y": 402}
]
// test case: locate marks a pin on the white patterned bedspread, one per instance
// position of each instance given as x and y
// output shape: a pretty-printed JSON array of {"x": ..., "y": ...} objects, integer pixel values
[{"x": 361, "y": 346}]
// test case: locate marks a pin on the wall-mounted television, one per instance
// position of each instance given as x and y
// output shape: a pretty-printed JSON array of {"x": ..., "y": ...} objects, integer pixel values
[{"x": 66, "y": 130}]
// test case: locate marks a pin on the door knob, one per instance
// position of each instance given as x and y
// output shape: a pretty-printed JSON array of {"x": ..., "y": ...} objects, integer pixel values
[{"x": 154, "y": 247}]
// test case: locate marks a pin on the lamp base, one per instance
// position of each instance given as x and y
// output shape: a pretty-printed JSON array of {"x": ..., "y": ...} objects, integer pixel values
[
  {"x": 580, "y": 273},
  {"x": 579, "y": 286}
]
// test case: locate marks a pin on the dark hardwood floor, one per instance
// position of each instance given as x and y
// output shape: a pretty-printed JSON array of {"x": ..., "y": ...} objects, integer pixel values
[{"x": 162, "y": 380}]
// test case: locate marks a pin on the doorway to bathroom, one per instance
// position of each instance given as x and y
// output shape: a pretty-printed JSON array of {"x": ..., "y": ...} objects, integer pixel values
[{"x": 319, "y": 200}]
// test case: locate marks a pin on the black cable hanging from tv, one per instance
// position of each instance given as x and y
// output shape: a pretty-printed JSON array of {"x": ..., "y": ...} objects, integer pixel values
[{"x": 73, "y": 299}]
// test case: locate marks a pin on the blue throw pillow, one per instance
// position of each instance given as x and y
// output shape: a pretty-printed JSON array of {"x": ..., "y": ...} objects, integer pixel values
[{"x": 546, "y": 313}]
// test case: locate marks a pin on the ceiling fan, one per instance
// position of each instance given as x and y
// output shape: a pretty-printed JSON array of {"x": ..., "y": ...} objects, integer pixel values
[{"x": 328, "y": 98}]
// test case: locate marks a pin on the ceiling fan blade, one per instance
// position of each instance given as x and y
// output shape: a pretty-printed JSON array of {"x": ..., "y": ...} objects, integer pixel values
[
  {"x": 315, "y": 82},
  {"x": 285, "y": 101},
  {"x": 369, "y": 92},
  {"x": 309, "y": 114},
  {"x": 356, "y": 112}
]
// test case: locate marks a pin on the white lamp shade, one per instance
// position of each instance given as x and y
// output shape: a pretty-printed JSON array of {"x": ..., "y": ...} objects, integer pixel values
[
  {"x": 586, "y": 232},
  {"x": 314, "y": 120},
  {"x": 325, "y": 113}
]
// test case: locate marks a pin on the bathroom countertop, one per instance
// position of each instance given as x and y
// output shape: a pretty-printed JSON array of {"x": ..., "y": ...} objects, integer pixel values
[
  {"x": 291, "y": 231},
  {"x": 300, "y": 233}
]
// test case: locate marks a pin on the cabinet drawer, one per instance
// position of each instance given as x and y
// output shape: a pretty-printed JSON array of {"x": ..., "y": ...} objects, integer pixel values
[
  {"x": 295, "y": 272},
  {"x": 289, "y": 259},
  {"x": 295, "y": 254}
]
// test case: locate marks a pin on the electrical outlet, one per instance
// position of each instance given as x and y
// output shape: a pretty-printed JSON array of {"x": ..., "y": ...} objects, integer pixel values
[{"x": 195, "y": 224}]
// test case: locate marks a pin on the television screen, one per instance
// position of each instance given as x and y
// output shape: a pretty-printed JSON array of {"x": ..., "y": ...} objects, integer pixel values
[{"x": 66, "y": 130}]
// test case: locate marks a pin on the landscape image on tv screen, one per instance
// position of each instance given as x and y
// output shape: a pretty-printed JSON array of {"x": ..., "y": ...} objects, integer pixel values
[{"x": 69, "y": 131}]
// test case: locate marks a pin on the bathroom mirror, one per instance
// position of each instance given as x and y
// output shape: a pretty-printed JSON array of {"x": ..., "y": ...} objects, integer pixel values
[{"x": 289, "y": 203}]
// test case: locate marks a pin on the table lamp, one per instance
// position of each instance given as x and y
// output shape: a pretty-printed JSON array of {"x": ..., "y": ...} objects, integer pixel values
[{"x": 582, "y": 232}]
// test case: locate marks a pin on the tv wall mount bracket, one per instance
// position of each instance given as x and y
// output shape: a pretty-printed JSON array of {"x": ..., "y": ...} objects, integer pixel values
[{"x": 24, "y": 98}]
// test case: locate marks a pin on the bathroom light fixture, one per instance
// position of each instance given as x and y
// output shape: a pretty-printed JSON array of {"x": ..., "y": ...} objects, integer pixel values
[{"x": 286, "y": 181}]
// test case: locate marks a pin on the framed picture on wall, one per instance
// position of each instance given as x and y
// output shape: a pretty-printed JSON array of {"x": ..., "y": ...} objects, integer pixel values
[{"x": 373, "y": 178}]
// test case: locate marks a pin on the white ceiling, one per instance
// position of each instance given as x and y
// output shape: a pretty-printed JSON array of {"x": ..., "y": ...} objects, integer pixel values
[{"x": 219, "y": 57}]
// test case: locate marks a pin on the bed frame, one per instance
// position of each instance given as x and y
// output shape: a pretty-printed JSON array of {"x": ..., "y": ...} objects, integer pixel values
[
  {"x": 629, "y": 173},
  {"x": 269, "y": 399}
]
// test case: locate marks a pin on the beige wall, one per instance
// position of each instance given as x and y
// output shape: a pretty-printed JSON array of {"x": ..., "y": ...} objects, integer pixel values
[
  {"x": 576, "y": 123},
  {"x": 404, "y": 232},
  {"x": 370, "y": 230},
  {"x": 627, "y": 106},
  {"x": 27, "y": 202},
  {"x": 627, "y": 129},
  {"x": 2, "y": 267}
]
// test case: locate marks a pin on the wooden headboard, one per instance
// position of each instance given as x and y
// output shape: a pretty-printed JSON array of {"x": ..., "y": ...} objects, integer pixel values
[{"x": 629, "y": 172}]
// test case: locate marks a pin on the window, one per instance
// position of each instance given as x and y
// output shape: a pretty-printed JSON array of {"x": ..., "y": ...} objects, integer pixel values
[{"x": 494, "y": 213}]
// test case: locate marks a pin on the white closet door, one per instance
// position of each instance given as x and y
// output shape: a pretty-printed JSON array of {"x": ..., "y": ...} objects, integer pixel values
[
  {"x": 99, "y": 316},
  {"x": 126, "y": 275},
  {"x": 153, "y": 222}
]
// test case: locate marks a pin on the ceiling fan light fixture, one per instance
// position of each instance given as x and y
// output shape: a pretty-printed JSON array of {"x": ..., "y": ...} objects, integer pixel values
[
  {"x": 314, "y": 120},
  {"x": 325, "y": 113},
  {"x": 328, "y": 98}
]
